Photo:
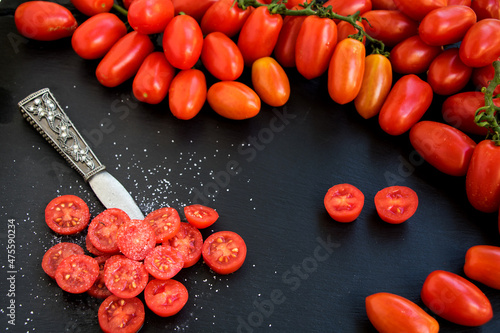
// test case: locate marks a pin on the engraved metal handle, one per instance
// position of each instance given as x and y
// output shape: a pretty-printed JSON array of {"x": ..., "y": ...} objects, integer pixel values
[{"x": 42, "y": 111}]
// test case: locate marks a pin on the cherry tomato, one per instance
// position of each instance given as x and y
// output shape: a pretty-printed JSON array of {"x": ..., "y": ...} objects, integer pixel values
[
  {"x": 224, "y": 252},
  {"x": 259, "y": 34},
  {"x": 384, "y": 4},
  {"x": 312, "y": 55},
  {"x": 93, "y": 7},
  {"x": 165, "y": 221},
  {"x": 486, "y": 9},
  {"x": 270, "y": 81},
  {"x": 200, "y": 216},
  {"x": 455, "y": 299},
  {"x": 224, "y": 16},
  {"x": 53, "y": 257},
  {"x": 459, "y": 3},
  {"x": 389, "y": 26},
  {"x": 163, "y": 262},
  {"x": 393, "y": 313},
  {"x": 447, "y": 74},
  {"x": 477, "y": 49},
  {"x": 102, "y": 230},
  {"x": 482, "y": 183},
  {"x": 194, "y": 8},
  {"x": 150, "y": 16},
  {"x": 77, "y": 273},
  {"x": 91, "y": 248},
  {"x": 446, "y": 25},
  {"x": 125, "y": 277},
  {"x": 396, "y": 204},
  {"x": 482, "y": 76},
  {"x": 233, "y": 100},
  {"x": 95, "y": 37},
  {"x": 481, "y": 264},
  {"x": 124, "y": 59},
  {"x": 345, "y": 29},
  {"x": 344, "y": 202},
  {"x": 413, "y": 56},
  {"x": 152, "y": 81},
  {"x": 187, "y": 93},
  {"x": 284, "y": 51},
  {"x": 183, "y": 42},
  {"x": 408, "y": 100},
  {"x": 346, "y": 70},
  {"x": 135, "y": 238},
  {"x": 188, "y": 241},
  {"x": 222, "y": 57},
  {"x": 418, "y": 9},
  {"x": 446, "y": 148},
  {"x": 165, "y": 297},
  {"x": 99, "y": 289},
  {"x": 349, "y": 7},
  {"x": 118, "y": 314},
  {"x": 376, "y": 84},
  {"x": 67, "y": 214},
  {"x": 44, "y": 20}
]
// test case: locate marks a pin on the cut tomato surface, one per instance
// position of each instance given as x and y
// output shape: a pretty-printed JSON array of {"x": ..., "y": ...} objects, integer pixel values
[
  {"x": 344, "y": 202},
  {"x": 165, "y": 297},
  {"x": 188, "y": 241},
  {"x": 135, "y": 239},
  {"x": 53, "y": 257},
  {"x": 163, "y": 262},
  {"x": 125, "y": 277},
  {"x": 396, "y": 204},
  {"x": 103, "y": 228},
  {"x": 224, "y": 252},
  {"x": 99, "y": 289},
  {"x": 165, "y": 222},
  {"x": 67, "y": 214},
  {"x": 200, "y": 216},
  {"x": 77, "y": 273},
  {"x": 124, "y": 315}
]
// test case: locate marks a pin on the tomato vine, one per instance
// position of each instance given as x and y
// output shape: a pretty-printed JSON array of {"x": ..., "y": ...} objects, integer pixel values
[{"x": 487, "y": 116}]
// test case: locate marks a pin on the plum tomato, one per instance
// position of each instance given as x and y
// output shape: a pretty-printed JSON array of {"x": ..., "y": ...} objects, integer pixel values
[
  {"x": 384, "y": 4},
  {"x": 418, "y": 9},
  {"x": 103, "y": 228},
  {"x": 125, "y": 277},
  {"x": 165, "y": 297},
  {"x": 481, "y": 264},
  {"x": 345, "y": 29},
  {"x": 413, "y": 56},
  {"x": 486, "y": 9},
  {"x": 284, "y": 50},
  {"x": 187, "y": 93},
  {"x": 477, "y": 48},
  {"x": 67, "y": 214},
  {"x": 396, "y": 204},
  {"x": 93, "y": 7},
  {"x": 150, "y": 16},
  {"x": 118, "y": 314},
  {"x": 182, "y": 42},
  {"x": 224, "y": 252},
  {"x": 77, "y": 273},
  {"x": 200, "y": 216},
  {"x": 194, "y": 8},
  {"x": 224, "y": 16},
  {"x": 222, "y": 57},
  {"x": 99, "y": 289},
  {"x": 135, "y": 238},
  {"x": 152, "y": 81},
  {"x": 165, "y": 221},
  {"x": 389, "y": 26},
  {"x": 233, "y": 100},
  {"x": 482, "y": 76},
  {"x": 188, "y": 241},
  {"x": 447, "y": 74},
  {"x": 270, "y": 81},
  {"x": 53, "y": 256},
  {"x": 349, "y": 7},
  {"x": 344, "y": 202},
  {"x": 163, "y": 262}
]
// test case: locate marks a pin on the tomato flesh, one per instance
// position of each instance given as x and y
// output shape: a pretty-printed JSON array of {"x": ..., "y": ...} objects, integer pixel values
[
  {"x": 67, "y": 214},
  {"x": 165, "y": 297},
  {"x": 77, "y": 273},
  {"x": 200, "y": 216},
  {"x": 188, "y": 241},
  {"x": 53, "y": 257},
  {"x": 396, "y": 204},
  {"x": 125, "y": 315},
  {"x": 125, "y": 277},
  {"x": 103, "y": 228},
  {"x": 163, "y": 262},
  {"x": 135, "y": 239},
  {"x": 344, "y": 202},
  {"x": 224, "y": 252},
  {"x": 99, "y": 289},
  {"x": 165, "y": 221}
]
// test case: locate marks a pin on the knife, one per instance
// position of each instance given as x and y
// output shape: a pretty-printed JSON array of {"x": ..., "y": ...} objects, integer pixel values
[{"x": 43, "y": 112}]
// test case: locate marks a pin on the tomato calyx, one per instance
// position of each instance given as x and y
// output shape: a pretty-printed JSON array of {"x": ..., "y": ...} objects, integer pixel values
[{"x": 487, "y": 116}]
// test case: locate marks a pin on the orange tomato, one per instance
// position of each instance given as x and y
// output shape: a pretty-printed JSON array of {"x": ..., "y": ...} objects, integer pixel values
[
  {"x": 270, "y": 81},
  {"x": 233, "y": 100}
]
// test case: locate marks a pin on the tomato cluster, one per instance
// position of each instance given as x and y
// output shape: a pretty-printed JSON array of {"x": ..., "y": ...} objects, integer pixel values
[{"x": 128, "y": 257}]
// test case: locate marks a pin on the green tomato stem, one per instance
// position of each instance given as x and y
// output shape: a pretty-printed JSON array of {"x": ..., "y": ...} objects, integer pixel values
[
  {"x": 488, "y": 115},
  {"x": 120, "y": 9}
]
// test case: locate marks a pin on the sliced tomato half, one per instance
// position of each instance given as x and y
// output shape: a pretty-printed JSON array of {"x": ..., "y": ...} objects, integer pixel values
[
  {"x": 396, "y": 204},
  {"x": 188, "y": 241},
  {"x": 77, "y": 273},
  {"x": 125, "y": 277},
  {"x": 200, "y": 216},
  {"x": 165, "y": 222},
  {"x": 67, "y": 214},
  {"x": 344, "y": 202},
  {"x": 163, "y": 262},
  {"x": 124, "y": 315},
  {"x": 99, "y": 289},
  {"x": 103, "y": 228},
  {"x": 224, "y": 252},
  {"x": 53, "y": 257},
  {"x": 165, "y": 297},
  {"x": 135, "y": 239}
]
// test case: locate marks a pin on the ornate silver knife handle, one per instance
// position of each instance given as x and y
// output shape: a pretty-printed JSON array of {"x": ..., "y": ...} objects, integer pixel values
[{"x": 42, "y": 111}]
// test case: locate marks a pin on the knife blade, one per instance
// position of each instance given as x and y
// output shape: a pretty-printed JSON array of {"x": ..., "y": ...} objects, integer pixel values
[{"x": 43, "y": 112}]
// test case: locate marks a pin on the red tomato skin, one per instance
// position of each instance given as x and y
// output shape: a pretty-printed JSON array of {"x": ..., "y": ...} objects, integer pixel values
[
  {"x": 349, "y": 7},
  {"x": 447, "y": 74},
  {"x": 182, "y": 42},
  {"x": 284, "y": 51},
  {"x": 344, "y": 202},
  {"x": 455, "y": 299},
  {"x": 446, "y": 148},
  {"x": 482, "y": 183},
  {"x": 112, "y": 304},
  {"x": 259, "y": 35},
  {"x": 224, "y": 17},
  {"x": 477, "y": 49},
  {"x": 459, "y": 3},
  {"x": 486, "y": 9},
  {"x": 413, "y": 56},
  {"x": 124, "y": 59},
  {"x": 407, "y": 102},
  {"x": 194, "y": 8},
  {"x": 344, "y": 29},
  {"x": 481, "y": 264},
  {"x": 446, "y": 25},
  {"x": 418, "y": 9},
  {"x": 44, "y": 21},
  {"x": 482, "y": 76},
  {"x": 92, "y": 7},
  {"x": 384, "y": 4},
  {"x": 389, "y": 26},
  {"x": 152, "y": 81},
  {"x": 233, "y": 100},
  {"x": 393, "y": 313},
  {"x": 312, "y": 55},
  {"x": 187, "y": 93},
  {"x": 222, "y": 57},
  {"x": 95, "y": 37},
  {"x": 270, "y": 81},
  {"x": 150, "y": 16},
  {"x": 346, "y": 70}
]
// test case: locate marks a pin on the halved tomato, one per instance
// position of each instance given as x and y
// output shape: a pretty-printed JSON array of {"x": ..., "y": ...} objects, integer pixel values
[
  {"x": 165, "y": 221},
  {"x": 188, "y": 241},
  {"x": 67, "y": 214},
  {"x": 165, "y": 297},
  {"x": 118, "y": 314},
  {"x": 344, "y": 202},
  {"x": 224, "y": 252},
  {"x": 396, "y": 204},
  {"x": 53, "y": 257},
  {"x": 200, "y": 216},
  {"x": 77, "y": 273}
]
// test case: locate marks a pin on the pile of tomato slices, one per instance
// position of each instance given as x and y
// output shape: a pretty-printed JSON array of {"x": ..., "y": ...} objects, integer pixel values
[{"x": 125, "y": 257}]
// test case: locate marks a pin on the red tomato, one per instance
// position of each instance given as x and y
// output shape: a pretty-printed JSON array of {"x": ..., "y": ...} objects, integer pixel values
[
  {"x": 447, "y": 74},
  {"x": 163, "y": 262},
  {"x": 165, "y": 297},
  {"x": 346, "y": 70},
  {"x": 419, "y": 8},
  {"x": 124, "y": 315},
  {"x": 194, "y": 8},
  {"x": 183, "y": 42},
  {"x": 482, "y": 76},
  {"x": 455, "y": 299},
  {"x": 413, "y": 56},
  {"x": 99, "y": 289},
  {"x": 376, "y": 84},
  {"x": 125, "y": 277},
  {"x": 95, "y": 37},
  {"x": 284, "y": 51},
  {"x": 349, "y": 7},
  {"x": 91, "y": 248},
  {"x": 165, "y": 221},
  {"x": 396, "y": 204},
  {"x": 44, "y": 20},
  {"x": 312, "y": 55},
  {"x": 127, "y": 3},
  {"x": 53, "y": 257},
  {"x": 93, "y": 7},
  {"x": 152, "y": 81},
  {"x": 259, "y": 34},
  {"x": 270, "y": 82},
  {"x": 188, "y": 241},
  {"x": 224, "y": 16},
  {"x": 486, "y": 9},
  {"x": 482, "y": 183},
  {"x": 477, "y": 48},
  {"x": 187, "y": 93},
  {"x": 408, "y": 100},
  {"x": 446, "y": 148},
  {"x": 459, "y": 3},
  {"x": 102, "y": 230},
  {"x": 344, "y": 202},
  {"x": 481, "y": 264},
  {"x": 222, "y": 57},
  {"x": 200, "y": 216},
  {"x": 67, "y": 214},
  {"x": 389, "y": 26},
  {"x": 150, "y": 16},
  {"x": 77, "y": 273},
  {"x": 135, "y": 238},
  {"x": 446, "y": 25},
  {"x": 233, "y": 100},
  {"x": 345, "y": 29},
  {"x": 384, "y": 4},
  {"x": 224, "y": 252},
  {"x": 124, "y": 59},
  {"x": 393, "y": 313}
]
